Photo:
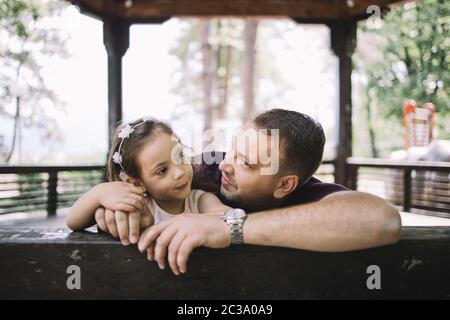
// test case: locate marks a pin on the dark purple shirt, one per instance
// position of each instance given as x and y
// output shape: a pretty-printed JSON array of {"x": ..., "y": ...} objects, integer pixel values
[{"x": 207, "y": 177}]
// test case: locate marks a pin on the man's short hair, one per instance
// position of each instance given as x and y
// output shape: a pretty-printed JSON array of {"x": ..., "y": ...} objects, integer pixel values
[{"x": 302, "y": 140}]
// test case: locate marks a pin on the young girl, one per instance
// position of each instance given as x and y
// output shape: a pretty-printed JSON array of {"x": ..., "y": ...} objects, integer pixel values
[{"x": 148, "y": 158}]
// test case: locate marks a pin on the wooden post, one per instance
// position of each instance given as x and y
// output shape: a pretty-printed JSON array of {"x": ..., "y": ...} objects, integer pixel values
[
  {"x": 343, "y": 42},
  {"x": 407, "y": 190},
  {"x": 116, "y": 38},
  {"x": 352, "y": 180},
  {"x": 52, "y": 193}
]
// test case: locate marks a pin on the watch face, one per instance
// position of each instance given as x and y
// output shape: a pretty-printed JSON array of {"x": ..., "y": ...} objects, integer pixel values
[
  {"x": 234, "y": 214},
  {"x": 239, "y": 213}
]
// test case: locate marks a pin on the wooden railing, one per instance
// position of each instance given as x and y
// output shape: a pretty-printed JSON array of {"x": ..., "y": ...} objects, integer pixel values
[
  {"x": 34, "y": 188},
  {"x": 416, "y": 186},
  {"x": 326, "y": 171}
]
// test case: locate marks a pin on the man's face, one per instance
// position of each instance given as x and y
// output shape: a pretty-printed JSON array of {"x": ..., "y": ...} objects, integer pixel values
[{"x": 250, "y": 169}]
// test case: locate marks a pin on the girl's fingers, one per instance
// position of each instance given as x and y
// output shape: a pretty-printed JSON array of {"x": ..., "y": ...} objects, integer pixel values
[
  {"x": 134, "y": 220},
  {"x": 136, "y": 190},
  {"x": 136, "y": 197},
  {"x": 122, "y": 226},
  {"x": 111, "y": 222},
  {"x": 136, "y": 203}
]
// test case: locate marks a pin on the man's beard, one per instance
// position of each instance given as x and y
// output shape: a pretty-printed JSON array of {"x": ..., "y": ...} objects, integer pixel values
[{"x": 249, "y": 204}]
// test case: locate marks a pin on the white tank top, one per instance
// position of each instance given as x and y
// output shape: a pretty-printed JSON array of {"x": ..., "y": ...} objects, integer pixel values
[{"x": 190, "y": 206}]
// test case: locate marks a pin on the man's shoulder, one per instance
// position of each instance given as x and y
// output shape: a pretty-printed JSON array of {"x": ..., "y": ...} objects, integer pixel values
[
  {"x": 206, "y": 171},
  {"x": 312, "y": 191}
]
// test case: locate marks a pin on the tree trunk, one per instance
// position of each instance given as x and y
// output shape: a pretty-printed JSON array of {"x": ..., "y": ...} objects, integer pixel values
[
  {"x": 16, "y": 126},
  {"x": 373, "y": 146},
  {"x": 224, "y": 63},
  {"x": 250, "y": 31},
  {"x": 208, "y": 72}
]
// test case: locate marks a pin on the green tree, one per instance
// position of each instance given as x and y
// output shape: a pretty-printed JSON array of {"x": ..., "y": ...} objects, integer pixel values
[
  {"x": 407, "y": 58},
  {"x": 25, "y": 39}
]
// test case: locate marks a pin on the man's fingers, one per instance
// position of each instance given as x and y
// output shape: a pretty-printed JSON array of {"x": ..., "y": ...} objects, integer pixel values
[
  {"x": 146, "y": 220},
  {"x": 122, "y": 226},
  {"x": 125, "y": 206},
  {"x": 150, "y": 252},
  {"x": 149, "y": 235},
  {"x": 100, "y": 219},
  {"x": 174, "y": 246},
  {"x": 134, "y": 220},
  {"x": 162, "y": 242},
  {"x": 184, "y": 252},
  {"x": 111, "y": 222}
]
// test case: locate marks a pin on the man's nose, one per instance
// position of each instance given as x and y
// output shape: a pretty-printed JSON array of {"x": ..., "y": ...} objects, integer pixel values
[{"x": 227, "y": 163}]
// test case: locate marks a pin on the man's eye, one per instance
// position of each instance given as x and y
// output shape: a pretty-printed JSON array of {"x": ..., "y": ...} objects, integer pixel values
[
  {"x": 247, "y": 164},
  {"x": 161, "y": 172}
]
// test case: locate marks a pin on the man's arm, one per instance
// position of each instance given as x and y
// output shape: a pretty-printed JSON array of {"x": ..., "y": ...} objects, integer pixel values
[{"x": 341, "y": 221}]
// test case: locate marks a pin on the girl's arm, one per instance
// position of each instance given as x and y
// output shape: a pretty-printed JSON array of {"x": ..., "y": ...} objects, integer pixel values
[
  {"x": 82, "y": 213},
  {"x": 209, "y": 203},
  {"x": 116, "y": 196}
]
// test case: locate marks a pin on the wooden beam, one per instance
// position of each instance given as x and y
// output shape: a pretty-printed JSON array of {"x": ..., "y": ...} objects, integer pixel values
[
  {"x": 309, "y": 9},
  {"x": 343, "y": 43},
  {"x": 34, "y": 264}
]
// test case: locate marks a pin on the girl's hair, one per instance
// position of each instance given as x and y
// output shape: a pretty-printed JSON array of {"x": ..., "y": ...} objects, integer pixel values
[{"x": 131, "y": 147}]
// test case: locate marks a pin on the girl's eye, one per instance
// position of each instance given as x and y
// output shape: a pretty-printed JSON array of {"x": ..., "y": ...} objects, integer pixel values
[
  {"x": 247, "y": 164},
  {"x": 162, "y": 171},
  {"x": 181, "y": 155}
]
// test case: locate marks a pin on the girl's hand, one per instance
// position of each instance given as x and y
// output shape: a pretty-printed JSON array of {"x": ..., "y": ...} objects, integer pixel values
[
  {"x": 125, "y": 226},
  {"x": 120, "y": 196}
]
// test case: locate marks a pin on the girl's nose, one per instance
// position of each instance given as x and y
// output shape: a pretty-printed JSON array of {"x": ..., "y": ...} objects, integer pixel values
[{"x": 178, "y": 172}]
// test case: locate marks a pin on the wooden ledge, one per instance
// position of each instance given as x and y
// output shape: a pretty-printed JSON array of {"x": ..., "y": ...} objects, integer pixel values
[{"x": 34, "y": 262}]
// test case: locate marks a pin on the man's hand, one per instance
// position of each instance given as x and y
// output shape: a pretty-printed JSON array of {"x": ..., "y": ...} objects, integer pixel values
[
  {"x": 123, "y": 225},
  {"x": 179, "y": 236}
]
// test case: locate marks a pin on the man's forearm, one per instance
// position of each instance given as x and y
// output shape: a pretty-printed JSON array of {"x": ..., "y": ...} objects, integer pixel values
[{"x": 344, "y": 222}]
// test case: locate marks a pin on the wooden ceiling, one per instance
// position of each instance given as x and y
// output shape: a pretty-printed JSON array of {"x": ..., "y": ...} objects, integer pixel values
[{"x": 308, "y": 10}]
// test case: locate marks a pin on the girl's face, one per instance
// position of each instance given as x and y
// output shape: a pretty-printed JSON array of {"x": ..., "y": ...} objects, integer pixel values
[{"x": 165, "y": 173}]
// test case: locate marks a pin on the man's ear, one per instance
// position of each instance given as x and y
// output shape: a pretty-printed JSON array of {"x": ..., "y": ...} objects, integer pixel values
[{"x": 285, "y": 186}]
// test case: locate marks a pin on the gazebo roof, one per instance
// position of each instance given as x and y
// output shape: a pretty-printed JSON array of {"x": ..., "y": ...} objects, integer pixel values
[
  {"x": 341, "y": 16},
  {"x": 307, "y": 10}
]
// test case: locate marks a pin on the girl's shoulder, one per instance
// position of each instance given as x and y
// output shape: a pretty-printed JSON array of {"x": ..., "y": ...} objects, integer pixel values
[
  {"x": 193, "y": 199},
  {"x": 196, "y": 194}
]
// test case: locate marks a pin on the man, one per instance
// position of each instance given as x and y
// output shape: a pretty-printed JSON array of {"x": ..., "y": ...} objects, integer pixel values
[{"x": 288, "y": 207}]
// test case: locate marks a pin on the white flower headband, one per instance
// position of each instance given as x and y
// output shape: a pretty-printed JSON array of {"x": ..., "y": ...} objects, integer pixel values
[{"x": 124, "y": 133}]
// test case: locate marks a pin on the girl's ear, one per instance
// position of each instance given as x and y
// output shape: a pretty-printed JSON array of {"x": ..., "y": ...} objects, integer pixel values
[
  {"x": 130, "y": 180},
  {"x": 134, "y": 182}
]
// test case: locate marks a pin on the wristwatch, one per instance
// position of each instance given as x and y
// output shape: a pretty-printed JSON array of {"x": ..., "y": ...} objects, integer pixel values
[{"x": 235, "y": 220}]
